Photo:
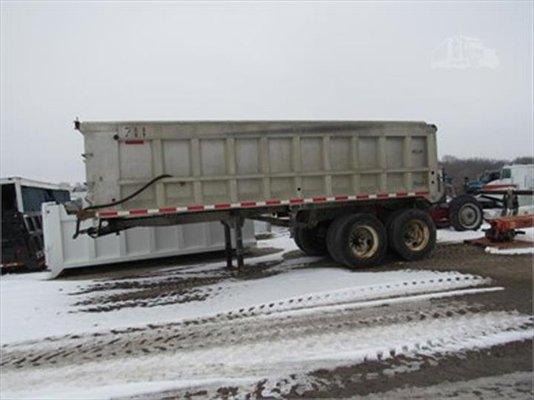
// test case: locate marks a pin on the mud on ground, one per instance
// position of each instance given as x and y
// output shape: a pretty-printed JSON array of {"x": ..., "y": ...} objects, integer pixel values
[{"x": 381, "y": 378}]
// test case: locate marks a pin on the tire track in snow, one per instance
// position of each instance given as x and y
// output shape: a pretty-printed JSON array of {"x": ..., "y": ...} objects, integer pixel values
[
  {"x": 442, "y": 281},
  {"x": 205, "y": 333},
  {"x": 279, "y": 356},
  {"x": 303, "y": 332}
]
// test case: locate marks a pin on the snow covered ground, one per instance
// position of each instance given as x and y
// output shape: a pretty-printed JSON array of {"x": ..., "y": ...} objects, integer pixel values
[
  {"x": 524, "y": 250},
  {"x": 104, "y": 337},
  {"x": 250, "y": 362},
  {"x": 31, "y": 300}
]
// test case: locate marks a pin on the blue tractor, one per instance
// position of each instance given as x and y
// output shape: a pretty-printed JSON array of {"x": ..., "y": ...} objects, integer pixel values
[{"x": 475, "y": 185}]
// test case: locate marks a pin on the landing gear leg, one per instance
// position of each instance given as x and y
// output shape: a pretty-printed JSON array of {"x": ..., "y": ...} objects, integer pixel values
[
  {"x": 235, "y": 224},
  {"x": 239, "y": 242},
  {"x": 228, "y": 244}
]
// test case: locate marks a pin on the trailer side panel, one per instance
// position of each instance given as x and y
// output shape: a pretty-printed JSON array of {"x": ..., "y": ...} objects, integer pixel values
[{"x": 227, "y": 163}]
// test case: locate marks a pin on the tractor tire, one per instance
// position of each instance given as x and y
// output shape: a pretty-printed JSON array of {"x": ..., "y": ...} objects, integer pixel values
[
  {"x": 360, "y": 241},
  {"x": 312, "y": 241},
  {"x": 412, "y": 234},
  {"x": 465, "y": 213}
]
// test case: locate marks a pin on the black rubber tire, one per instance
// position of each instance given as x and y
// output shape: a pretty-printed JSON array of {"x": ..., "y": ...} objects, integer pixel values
[
  {"x": 460, "y": 204},
  {"x": 397, "y": 233},
  {"x": 387, "y": 223},
  {"x": 342, "y": 241},
  {"x": 391, "y": 217},
  {"x": 331, "y": 242},
  {"x": 311, "y": 241}
]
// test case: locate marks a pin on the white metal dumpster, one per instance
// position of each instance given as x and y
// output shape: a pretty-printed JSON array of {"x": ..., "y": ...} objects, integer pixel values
[{"x": 63, "y": 252}]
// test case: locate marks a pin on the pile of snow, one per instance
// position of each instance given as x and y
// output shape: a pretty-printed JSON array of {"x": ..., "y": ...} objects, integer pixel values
[{"x": 507, "y": 252}]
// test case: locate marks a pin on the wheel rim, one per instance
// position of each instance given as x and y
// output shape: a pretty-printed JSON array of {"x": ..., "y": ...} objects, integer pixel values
[
  {"x": 416, "y": 235},
  {"x": 363, "y": 241},
  {"x": 469, "y": 216}
]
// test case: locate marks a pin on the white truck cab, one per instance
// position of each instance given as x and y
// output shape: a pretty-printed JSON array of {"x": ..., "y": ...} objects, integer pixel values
[{"x": 518, "y": 177}]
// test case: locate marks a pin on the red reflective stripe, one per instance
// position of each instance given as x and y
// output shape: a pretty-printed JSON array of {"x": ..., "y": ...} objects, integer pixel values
[
  {"x": 108, "y": 213},
  {"x": 272, "y": 202},
  {"x": 134, "y": 141},
  {"x": 167, "y": 210},
  {"x": 138, "y": 212},
  {"x": 499, "y": 186}
]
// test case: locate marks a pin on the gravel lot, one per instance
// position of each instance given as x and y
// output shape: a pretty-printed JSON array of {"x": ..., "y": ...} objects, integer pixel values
[{"x": 441, "y": 329}]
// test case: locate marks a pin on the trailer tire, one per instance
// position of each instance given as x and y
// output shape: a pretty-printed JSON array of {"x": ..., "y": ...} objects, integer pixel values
[
  {"x": 361, "y": 241},
  {"x": 465, "y": 213},
  {"x": 312, "y": 241},
  {"x": 412, "y": 234},
  {"x": 331, "y": 238},
  {"x": 387, "y": 223}
]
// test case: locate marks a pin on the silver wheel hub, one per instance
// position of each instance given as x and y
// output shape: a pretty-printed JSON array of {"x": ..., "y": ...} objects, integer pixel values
[
  {"x": 469, "y": 215},
  {"x": 363, "y": 241},
  {"x": 416, "y": 235}
]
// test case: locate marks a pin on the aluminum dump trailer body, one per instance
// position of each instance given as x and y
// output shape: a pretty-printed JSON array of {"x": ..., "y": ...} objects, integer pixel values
[{"x": 222, "y": 164}]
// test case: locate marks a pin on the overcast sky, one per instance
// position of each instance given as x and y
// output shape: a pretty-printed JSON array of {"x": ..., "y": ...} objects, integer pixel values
[{"x": 177, "y": 61}]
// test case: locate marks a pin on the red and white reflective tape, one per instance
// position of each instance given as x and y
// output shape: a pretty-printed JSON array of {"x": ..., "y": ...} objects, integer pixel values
[
  {"x": 253, "y": 204},
  {"x": 503, "y": 186}
]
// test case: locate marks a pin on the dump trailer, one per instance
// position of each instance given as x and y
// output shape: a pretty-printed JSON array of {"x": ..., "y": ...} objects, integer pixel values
[{"x": 348, "y": 189}]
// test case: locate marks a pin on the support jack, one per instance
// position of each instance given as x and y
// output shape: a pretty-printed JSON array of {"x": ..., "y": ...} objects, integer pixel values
[{"x": 234, "y": 225}]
